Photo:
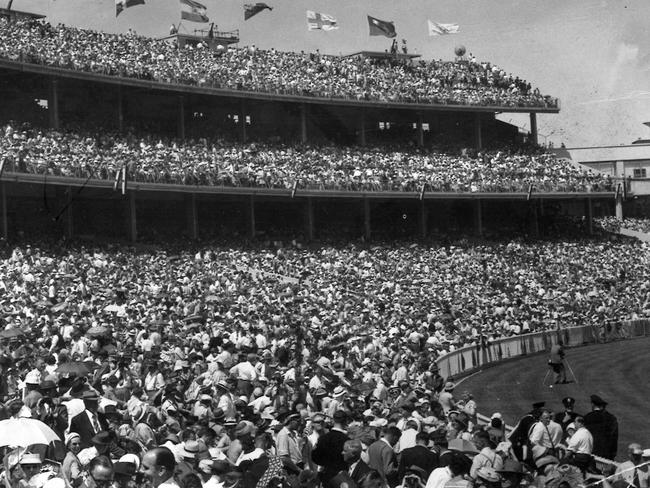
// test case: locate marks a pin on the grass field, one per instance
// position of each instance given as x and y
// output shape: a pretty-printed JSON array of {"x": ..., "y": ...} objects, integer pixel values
[{"x": 617, "y": 372}]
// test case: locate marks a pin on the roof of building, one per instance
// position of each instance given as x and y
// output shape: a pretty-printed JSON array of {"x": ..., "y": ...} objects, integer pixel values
[{"x": 629, "y": 152}]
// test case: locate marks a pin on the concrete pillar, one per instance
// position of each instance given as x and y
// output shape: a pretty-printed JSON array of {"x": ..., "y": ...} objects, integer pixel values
[
  {"x": 192, "y": 217},
  {"x": 303, "y": 122},
  {"x": 589, "y": 216},
  {"x": 120, "y": 109},
  {"x": 420, "y": 130},
  {"x": 133, "y": 224},
  {"x": 53, "y": 104},
  {"x": 242, "y": 120},
  {"x": 181, "y": 117},
  {"x": 424, "y": 216},
  {"x": 5, "y": 223},
  {"x": 251, "y": 216},
  {"x": 533, "y": 127},
  {"x": 478, "y": 217},
  {"x": 69, "y": 224},
  {"x": 366, "y": 219},
  {"x": 362, "y": 127},
  {"x": 478, "y": 129},
  {"x": 619, "y": 208},
  {"x": 309, "y": 223}
]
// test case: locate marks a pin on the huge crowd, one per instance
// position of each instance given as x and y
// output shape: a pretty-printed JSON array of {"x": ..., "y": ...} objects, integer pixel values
[
  {"x": 224, "y": 163},
  {"x": 224, "y": 366},
  {"x": 464, "y": 82}
]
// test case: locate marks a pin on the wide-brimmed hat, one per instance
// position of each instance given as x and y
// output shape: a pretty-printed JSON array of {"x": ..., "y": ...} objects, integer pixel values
[
  {"x": 449, "y": 386},
  {"x": 190, "y": 449},
  {"x": 511, "y": 466},
  {"x": 339, "y": 391}
]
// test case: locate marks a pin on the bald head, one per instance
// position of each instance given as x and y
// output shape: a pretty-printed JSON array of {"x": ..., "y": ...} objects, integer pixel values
[{"x": 158, "y": 465}]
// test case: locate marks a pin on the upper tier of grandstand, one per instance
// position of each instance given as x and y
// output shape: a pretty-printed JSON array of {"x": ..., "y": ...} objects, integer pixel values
[
  {"x": 223, "y": 163},
  {"x": 461, "y": 82}
]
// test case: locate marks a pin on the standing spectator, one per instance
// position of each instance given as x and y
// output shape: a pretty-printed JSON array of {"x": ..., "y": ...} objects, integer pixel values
[
  {"x": 487, "y": 455},
  {"x": 329, "y": 450},
  {"x": 357, "y": 469},
  {"x": 446, "y": 398},
  {"x": 382, "y": 457},
  {"x": 603, "y": 427},
  {"x": 419, "y": 455},
  {"x": 288, "y": 442},
  {"x": 100, "y": 471},
  {"x": 568, "y": 416},
  {"x": 628, "y": 472},
  {"x": 88, "y": 424}
]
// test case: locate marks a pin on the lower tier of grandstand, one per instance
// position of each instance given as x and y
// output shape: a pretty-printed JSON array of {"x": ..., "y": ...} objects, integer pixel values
[{"x": 73, "y": 207}]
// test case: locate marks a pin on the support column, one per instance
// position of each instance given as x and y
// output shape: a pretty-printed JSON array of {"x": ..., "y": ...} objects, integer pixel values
[
  {"x": 242, "y": 120},
  {"x": 5, "y": 223},
  {"x": 420, "y": 130},
  {"x": 133, "y": 225},
  {"x": 366, "y": 219},
  {"x": 191, "y": 216},
  {"x": 309, "y": 209},
  {"x": 478, "y": 217},
  {"x": 362, "y": 128},
  {"x": 69, "y": 224},
  {"x": 181, "y": 117},
  {"x": 251, "y": 216},
  {"x": 533, "y": 127},
  {"x": 424, "y": 217},
  {"x": 619, "y": 209},
  {"x": 478, "y": 129},
  {"x": 589, "y": 216},
  {"x": 120, "y": 109},
  {"x": 303, "y": 122},
  {"x": 53, "y": 104}
]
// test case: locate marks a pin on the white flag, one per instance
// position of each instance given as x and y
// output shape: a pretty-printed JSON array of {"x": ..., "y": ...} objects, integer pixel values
[
  {"x": 436, "y": 29},
  {"x": 317, "y": 21}
]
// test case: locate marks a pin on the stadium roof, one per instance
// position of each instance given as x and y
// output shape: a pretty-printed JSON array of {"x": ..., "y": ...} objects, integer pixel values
[
  {"x": 4, "y": 12},
  {"x": 630, "y": 152}
]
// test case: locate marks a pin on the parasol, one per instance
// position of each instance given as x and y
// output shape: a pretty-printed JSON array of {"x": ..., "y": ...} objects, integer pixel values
[{"x": 23, "y": 432}]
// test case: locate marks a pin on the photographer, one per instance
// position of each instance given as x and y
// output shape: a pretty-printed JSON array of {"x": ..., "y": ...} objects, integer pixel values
[{"x": 413, "y": 478}]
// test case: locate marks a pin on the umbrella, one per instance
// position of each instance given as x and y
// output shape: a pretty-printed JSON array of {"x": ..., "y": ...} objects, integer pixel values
[
  {"x": 79, "y": 368},
  {"x": 98, "y": 331},
  {"x": 25, "y": 432},
  {"x": 8, "y": 333}
]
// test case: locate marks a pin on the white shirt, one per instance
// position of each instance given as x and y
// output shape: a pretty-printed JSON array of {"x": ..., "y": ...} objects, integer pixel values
[
  {"x": 244, "y": 371},
  {"x": 487, "y": 457},
  {"x": 438, "y": 478},
  {"x": 581, "y": 442},
  {"x": 543, "y": 437}
]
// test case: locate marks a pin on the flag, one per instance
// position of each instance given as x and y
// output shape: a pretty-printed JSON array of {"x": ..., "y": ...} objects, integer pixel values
[
  {"x": 381, "y": 27},
  {"x": 317, "y": 21},
  {"x": 193, "y": 11},
  {"x": 251, "y": 9},
  {"x": 122, "y": 4},
  {"x": 436, "y": 29}
]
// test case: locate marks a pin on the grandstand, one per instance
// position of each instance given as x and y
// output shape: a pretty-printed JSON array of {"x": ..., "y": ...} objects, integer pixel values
[{"x": 450, "y": 164}]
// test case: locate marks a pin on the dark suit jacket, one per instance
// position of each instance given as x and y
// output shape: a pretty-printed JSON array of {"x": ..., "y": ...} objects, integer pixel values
[
  {"x": 81, "y": 425},
  {"x": 382, "y": 458},
  {"x": 328, "y": 454},
  {"x": 604, "y": 429},
  {"x": 419, "y": 456},
  {"x": 360, "y": 471}
]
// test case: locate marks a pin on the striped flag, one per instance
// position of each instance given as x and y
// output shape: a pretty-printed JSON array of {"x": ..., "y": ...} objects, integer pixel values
[
  {"x": 318, "y": 21},
  {"x": 193, "y": 11},
  {"x": 120, "y": 5},
  {"x": 436, "y": 29},
  {"x": 381, "y": 27}
]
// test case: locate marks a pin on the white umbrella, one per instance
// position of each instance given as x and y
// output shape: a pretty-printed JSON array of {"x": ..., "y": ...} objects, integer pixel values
[{"x": 23, "y": 432}]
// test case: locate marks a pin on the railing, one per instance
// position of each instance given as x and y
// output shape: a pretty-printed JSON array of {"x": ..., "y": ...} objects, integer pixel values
[{"x": 470, "y": 358}]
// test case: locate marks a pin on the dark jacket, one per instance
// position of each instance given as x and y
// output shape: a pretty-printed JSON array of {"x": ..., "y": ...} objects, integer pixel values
[
  {"x": 328, "y": 454},
  {"x": 81, "y": 424},
  {"x": 419, "y": 456},
  {"x": 604, "y": 429}
]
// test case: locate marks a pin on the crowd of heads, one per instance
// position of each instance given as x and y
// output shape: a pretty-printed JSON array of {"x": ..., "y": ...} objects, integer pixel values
[
  {"x": 220, "y": 162},
  {"x": 613, "y": 224},
  {"x": 226, "y": 365},
  {"x": 461, "y": 82}
]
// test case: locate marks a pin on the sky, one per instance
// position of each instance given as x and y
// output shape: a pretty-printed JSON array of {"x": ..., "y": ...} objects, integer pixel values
[{"x": 592, "y": 54}]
